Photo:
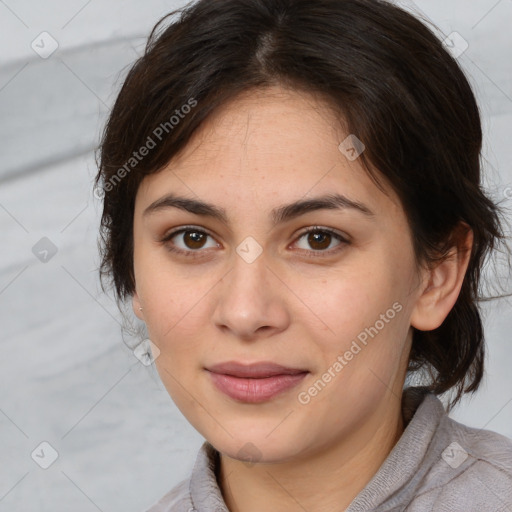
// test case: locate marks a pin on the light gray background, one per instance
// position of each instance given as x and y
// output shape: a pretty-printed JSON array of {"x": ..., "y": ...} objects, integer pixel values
[{"x": 66, "y": 377}]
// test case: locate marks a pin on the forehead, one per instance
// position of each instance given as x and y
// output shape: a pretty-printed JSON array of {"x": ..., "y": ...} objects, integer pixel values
[{"x": 273, "y": 145}]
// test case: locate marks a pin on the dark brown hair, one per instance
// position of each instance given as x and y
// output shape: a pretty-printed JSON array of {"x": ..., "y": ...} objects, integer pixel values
[{"x": 394, "y": 86}]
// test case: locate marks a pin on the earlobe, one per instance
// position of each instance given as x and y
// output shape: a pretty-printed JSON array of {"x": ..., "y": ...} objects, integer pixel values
[
  {"x": 137, "y": 306},
  {"x": 443, "y": 284}
]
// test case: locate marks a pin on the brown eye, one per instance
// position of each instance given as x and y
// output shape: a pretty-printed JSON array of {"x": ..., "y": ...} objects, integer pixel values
[
  {"x": 319, "y": 240},
  {"x": 188, "y": 242},
  {"x": 191, "y": 242},
  {"x": 194, "y": 239}
]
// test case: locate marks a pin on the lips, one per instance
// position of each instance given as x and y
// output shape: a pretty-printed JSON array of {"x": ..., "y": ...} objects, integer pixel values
[
  {"x": 254, "y": 383},
  {"x": 258, "y": 370}
]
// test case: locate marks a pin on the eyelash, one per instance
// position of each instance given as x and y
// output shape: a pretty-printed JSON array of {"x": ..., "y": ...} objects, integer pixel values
[{"x": 313, "y": 254}]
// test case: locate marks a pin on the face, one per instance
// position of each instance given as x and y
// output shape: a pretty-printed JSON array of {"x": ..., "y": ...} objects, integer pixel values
[{"x": 329, "y": 291}]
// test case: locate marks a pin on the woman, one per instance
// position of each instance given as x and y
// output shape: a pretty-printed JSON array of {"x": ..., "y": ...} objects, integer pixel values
[{"x": 292, "y": 203}]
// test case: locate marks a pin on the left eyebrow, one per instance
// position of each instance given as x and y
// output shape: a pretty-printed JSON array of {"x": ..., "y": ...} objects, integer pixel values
[{"x": 278, "y": 215}]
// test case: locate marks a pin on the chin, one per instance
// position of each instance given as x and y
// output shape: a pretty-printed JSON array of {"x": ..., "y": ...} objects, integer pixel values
[{"x": 258, "y": 448}]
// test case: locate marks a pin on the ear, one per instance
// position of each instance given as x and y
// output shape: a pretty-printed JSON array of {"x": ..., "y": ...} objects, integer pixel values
[
  {"x": 136, "y": 305},
  {"x": 441, "y": 285}
]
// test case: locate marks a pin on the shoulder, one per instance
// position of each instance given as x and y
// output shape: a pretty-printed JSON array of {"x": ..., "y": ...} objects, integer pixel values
[
  {"x": 472, "y": 470},
  {"x": 473, "y": 448},
  {"x": 176, "y": 500},
  {"x": 199, "y": 491}
]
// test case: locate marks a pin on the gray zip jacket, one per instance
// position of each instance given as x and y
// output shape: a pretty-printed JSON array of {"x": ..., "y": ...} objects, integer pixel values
[{"x": 437, "y": 465}]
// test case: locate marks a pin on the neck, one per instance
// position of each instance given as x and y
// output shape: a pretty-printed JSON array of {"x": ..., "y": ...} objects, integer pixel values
[{"x": 325, "y": 479}]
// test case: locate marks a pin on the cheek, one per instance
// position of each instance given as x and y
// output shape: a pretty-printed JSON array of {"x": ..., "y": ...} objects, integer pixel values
[
  {"x": 345, "y": 302},
  {"x": 170, "y": 294},
  {"x": 358, "y": 312}
]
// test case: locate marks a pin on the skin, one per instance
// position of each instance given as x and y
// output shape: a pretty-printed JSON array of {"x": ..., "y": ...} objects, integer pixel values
[{"x": 260, "y": 151}]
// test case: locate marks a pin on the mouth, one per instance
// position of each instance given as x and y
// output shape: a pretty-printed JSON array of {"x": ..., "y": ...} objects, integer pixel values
[{"x": 254, "y": 383}]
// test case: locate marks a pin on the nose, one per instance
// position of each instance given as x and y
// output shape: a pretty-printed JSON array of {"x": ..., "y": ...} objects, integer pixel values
[{"x": 251, "y": 301}]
